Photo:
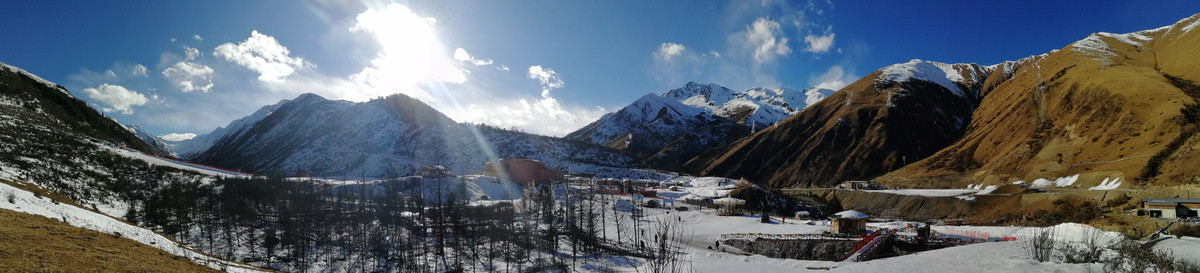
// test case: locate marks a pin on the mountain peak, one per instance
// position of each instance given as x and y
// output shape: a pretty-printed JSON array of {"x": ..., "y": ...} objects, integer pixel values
[
  {"x": 309, "y": 96},
  {"x": 946, "y": 75}
]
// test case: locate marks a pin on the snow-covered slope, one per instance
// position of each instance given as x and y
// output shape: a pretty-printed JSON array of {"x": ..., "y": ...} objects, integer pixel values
[
  {"x": 649, "y": 119},
  {"x": 191, "y": 147},
  {"x": 48, "y": 84},
  {"x": 946, "y": 75},
  {"x": 155, "y": 142},
  {"x": 388, "y": 137},
  {"x": 27, "y": 202}
]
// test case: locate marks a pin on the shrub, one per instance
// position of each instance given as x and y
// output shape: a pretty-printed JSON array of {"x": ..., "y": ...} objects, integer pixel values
[
  {"x": 1088, "y": 251},
  {"x": 1041, "y": 246},
  {"x": 1132, "y": 258},
  {"x": 1061, "y": 210},
  {"x": 12, "y": 199},
  {"x": 1117, "y": 201},
  {"x": 1191, "y": 230}
]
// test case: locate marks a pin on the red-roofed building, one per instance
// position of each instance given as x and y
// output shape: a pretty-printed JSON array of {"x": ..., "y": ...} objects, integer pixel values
[{"x": 523, "y": 171}]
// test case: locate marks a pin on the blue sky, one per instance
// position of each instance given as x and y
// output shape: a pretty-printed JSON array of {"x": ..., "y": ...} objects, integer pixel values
[{"x": 549, "y": 67}]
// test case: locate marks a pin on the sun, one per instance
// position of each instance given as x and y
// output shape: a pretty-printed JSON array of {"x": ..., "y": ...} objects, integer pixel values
[{"x": 410, "y": 53}]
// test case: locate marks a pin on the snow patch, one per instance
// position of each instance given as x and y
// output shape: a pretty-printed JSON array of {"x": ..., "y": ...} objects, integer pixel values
[
  {"x": 940, "y": 73},
  {"x": 154, "y": 160},
  {"x": 27, "y": 202},
  {"x": 1058, "y": 182},
  {"x": 1107, "y": 185},
  {"x": 927, "y": 192}
]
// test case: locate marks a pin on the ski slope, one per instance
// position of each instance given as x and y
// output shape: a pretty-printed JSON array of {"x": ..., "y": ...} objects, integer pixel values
[{"x": 178, "y": 164}]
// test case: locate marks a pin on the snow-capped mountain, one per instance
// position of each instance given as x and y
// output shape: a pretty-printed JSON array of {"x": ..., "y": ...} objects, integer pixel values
[
  {"x": 387, "y": 137},
  {"x": 190, "y": 147},
  {"x": 669, "y": 129},
  {"x": 157, "y": 143},
  {"x": 757, "y": 107}
]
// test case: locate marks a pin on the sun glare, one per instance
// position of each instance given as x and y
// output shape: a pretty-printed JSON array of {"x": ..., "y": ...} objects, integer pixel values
[{"x": 410, "y": 53}]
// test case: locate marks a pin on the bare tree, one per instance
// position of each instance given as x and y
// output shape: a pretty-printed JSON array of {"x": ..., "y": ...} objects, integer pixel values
[
  {"x": 667, "y": 247},
  {"x": 1041, "y": 246}
]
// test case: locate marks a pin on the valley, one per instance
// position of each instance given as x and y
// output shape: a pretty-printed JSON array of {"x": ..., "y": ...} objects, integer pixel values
[{"x": 1080, "y": 159}]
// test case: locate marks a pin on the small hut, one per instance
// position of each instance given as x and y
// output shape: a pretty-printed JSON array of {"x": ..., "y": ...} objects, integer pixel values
[
  {"x": 803, "y": 214},
  {"x": 850, "y": 222},
  {"x": 729, "y": 206},
  {"x": 434, "y": 172}
]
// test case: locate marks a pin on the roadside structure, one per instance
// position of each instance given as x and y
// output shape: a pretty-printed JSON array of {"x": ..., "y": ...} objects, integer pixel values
[
  {"x": 729, "y": 206},
  {"x": 523, "y": 171},
  {"x": 1171, "y": 207},
  {"x": 849, "y": 222}
]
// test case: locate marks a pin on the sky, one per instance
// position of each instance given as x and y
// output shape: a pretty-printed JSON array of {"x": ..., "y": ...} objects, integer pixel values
[{"x": 182, "y": 68}]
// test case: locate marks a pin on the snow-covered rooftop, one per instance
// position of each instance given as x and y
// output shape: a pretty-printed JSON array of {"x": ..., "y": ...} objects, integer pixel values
[{"x": 849, "y": 214}]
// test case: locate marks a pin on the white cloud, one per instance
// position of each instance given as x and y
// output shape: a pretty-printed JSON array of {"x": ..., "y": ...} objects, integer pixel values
[
  {"x": 139, "y": 70},
  {"x": 191, "y": 52},
  {"x": 197, "y": 37},
  {"x": 262, "y": 54},
  {"x": 177, "y": 137},
  {"x": 461, "y": 56},
  {"x": 502, "y": 68},
  {"x": 834, "y": 78},
  {"x": 766, "y": 39},
  {"x": 548, "y": 78},
  {"x": 188, "y": 75},
  {"x": 544, "y": 115},
  {"x": 116, "y": 97},
  {"x": 119, "y": 73},
  {"x": 668, "y": 50},
  {"x": 540, "y": 115},
  {"x": 410, "y": 54},
  {"x": 819, "y": 44}
]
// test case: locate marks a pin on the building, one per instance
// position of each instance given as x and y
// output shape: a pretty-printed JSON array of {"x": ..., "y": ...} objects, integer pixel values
[
  {"x": 859, "y": 185},
  {"x": 729, "y": 206},
  {"x": 849, "y": 222},
  {"x": 523, "y": 171},
  {"x": 434, "y": 172},
  {"x": 1171, "y": 207}
]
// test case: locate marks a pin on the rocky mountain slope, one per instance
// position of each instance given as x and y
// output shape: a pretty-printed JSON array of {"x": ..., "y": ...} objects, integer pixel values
[
  {"x": 667, "y": 130},
  {"x": 898, "y": 114},
  {"x": 50, "y": 139},
  {"x": 23, "y": 89},
  {"x": 155, "y": 142},
  {"x": 388, "y": 137},
  {"x": 1110, "y": 105},
  {"x": 193, "y": 146}
]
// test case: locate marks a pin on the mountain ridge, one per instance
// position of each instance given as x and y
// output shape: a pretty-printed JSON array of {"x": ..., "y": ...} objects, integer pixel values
[{"x": 386, "y": 137}]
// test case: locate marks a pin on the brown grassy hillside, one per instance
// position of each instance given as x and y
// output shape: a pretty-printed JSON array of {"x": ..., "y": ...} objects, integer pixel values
[
  {"x": 868, "y": 128},
  {"x": 1106, "y": 106},
  {"x": 34, "y": 243}
]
